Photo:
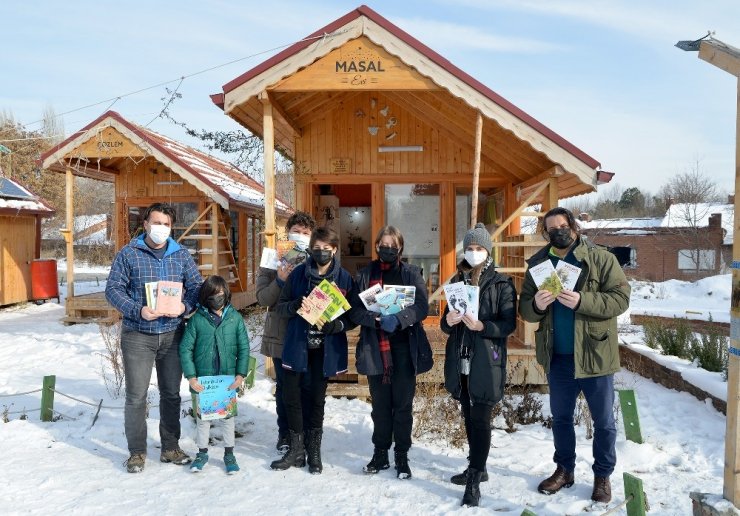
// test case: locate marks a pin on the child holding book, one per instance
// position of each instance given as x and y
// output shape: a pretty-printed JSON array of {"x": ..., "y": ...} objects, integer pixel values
[{"x": 215, "y": 343}]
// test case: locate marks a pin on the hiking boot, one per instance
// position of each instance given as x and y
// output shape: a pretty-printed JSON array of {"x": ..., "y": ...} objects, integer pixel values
[
  {"x": 378, "y": 462},
  {"x": 461, "y": 479},
  {"x": 175, "y": 456},
  {"x": 230, "y": 461},
  {"x": 313, "y": 451},
  {"x": 201, "y": 459},
  {"x": 471, "y": 498},
  {"x": 135, "y": 463},
  {"x": 602, "y": 490},
  {"x": 283, "y": 443},
  {"x": 556, "y": 481},
  {"x": 402, "y": 464},
  {"x": 295, "y": 456}
]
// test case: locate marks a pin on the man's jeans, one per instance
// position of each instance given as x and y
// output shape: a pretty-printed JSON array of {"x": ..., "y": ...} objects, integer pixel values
[{"x": 140, "y": 352}]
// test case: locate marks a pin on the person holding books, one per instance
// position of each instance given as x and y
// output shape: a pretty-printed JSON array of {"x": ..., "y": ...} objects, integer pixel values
[
  {"x": 312, "y": 351},
  {"x": 577, "y": 344},
  {"x": 269, "y": 284},
  {"x": 215, "y": 343},
  {"x": 393, "y": 348},
  {"x": 475, "y": 354},
  {"x": 150, "y": 336}
]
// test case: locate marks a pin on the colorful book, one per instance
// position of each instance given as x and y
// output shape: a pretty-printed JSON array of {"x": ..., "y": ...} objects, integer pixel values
[
  {"x": 368, "y": 297},
  {"x": 285, "y": 253},
  {"x": 215, "y": 401},
  {"x": 546, "y": 278},
  {"x": 568, "y": 274},
  {"x": 463, "y": 298},
  {"x": 151, "y": 294},
  {"x": 405, "y": 297},
  {"x": 317, "y": 302},
  {"x": 169, "y": 297},
  {"x": 339, "y": 303}
]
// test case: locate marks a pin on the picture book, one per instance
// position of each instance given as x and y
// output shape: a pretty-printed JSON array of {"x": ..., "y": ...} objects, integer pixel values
[
  {"x": 368, "y": 297},
  {"x": 546, "y": 278},
  {"x": 405, "y": 295},
  {"x": 151, "y": 294},
  {"x": 568, "y": 274},
  {"x": 169, "y": 297},
  {"x": 388, "y": 302},
  {"x": 318, "y": 301},
  {"x": 286, "y": 253},
  {"x": 215, "y": 401},
  {"x": 462, "y": 298},
  {"x": 338, "y": 304}
]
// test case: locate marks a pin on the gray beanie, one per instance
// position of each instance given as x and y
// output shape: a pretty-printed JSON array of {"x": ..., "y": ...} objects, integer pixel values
[{"x": 478, "y": 235}]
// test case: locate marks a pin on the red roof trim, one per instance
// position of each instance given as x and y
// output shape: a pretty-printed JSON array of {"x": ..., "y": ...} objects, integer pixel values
[
  {"x": 603, "y": 177},
  {"x": 218, "y": 99},
  {"x": 364, "y": 10}
]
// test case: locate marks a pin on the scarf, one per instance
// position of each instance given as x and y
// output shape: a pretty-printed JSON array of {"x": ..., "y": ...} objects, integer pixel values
[{"x": 376, "y": 278}]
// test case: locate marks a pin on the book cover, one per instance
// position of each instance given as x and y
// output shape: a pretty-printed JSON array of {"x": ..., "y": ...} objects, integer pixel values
[
  {"x": 405, "y": 294},
  {"x": 388, "y": 302},
  {"x": 151, "y": 294},
  {"x": 216, "y": 401},
  {"x": 338, "y": 304},
  {"x": 368, "y": 297},
  {"x": 318, "y": 301},
  {"x": 462, "y": 298},
  {"x": 546, "y": 278},
  {"x": 269, "y": 258},
  {"x": 286, "y": 253},
  {"x": 568, "y": 274},
  {"x": 473, "y": 296},
  {"x": 169, "y": 297}
]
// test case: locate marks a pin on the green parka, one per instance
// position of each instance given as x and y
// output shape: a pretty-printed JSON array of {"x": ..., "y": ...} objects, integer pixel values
[
  {"x": 202, "y": 337},
  {"x": 605, "y": 294}
]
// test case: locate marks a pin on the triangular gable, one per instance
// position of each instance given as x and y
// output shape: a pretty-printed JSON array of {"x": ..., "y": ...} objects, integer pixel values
[{"x": 364, "y": 22}]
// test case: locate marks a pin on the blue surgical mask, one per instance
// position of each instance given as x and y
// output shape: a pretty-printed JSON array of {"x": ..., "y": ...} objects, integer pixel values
[{"x": 301, "y": 241}]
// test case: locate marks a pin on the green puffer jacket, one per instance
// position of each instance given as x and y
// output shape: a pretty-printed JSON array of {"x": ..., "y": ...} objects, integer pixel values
[
  {"x": 201, "y": 337},
  {"x": 605, "y": 294}
]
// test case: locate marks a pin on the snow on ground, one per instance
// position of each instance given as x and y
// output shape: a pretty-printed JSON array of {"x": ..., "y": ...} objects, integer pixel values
[{"x": 70, "y": 465}]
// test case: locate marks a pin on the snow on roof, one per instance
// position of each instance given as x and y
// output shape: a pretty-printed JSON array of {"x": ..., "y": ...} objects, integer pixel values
[
  {"x": 697, "y": 215},
  {"x": 626, "y": 223},
  {"x": 15, "y": 196}
]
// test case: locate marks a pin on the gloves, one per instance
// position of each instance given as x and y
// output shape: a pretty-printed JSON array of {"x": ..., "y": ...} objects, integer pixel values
[
  {"x": 389, "y": 323},
  {"x": 335, "y": 326}
]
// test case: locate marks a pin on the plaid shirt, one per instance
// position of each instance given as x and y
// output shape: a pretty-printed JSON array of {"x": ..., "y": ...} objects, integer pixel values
[{"x": 136, "y": 265}]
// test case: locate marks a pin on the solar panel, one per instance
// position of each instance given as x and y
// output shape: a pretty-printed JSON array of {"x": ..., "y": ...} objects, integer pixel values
[{"x": 9, "y": 189}]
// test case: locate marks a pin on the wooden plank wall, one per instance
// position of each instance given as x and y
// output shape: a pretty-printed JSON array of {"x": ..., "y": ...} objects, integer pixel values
[{"x": 18, "y": 235}]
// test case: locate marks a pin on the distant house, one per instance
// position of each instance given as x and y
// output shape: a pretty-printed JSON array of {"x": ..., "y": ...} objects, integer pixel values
[
  {"x": 20, "y": 232},
  {"x": 690, "y": 242}
]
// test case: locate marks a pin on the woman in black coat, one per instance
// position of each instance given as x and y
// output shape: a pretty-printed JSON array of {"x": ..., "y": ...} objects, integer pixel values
[
  {"x": 392, "y": 350},
  {"x": 475, "y": 356}
]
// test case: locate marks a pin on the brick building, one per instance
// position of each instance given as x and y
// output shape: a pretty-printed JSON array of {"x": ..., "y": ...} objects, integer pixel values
[{"x": 692, "y": 241}]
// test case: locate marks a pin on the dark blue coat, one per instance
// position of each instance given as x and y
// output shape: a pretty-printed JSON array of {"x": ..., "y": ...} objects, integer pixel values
[
  {"x": 368, "y": 350},
  {"x": 295, "y": 345}
]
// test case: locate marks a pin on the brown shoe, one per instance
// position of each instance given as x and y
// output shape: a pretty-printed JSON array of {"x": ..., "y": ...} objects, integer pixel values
[
  {"x": 175, "y": 456},
  {"x": 556, "y": 481},
  {"x": 602, "y": 490}
]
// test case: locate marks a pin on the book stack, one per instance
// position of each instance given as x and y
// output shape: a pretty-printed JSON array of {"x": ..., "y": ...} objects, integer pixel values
[
  {"x": 388, "y": 299},
  {"x": 164, "y": 297}
]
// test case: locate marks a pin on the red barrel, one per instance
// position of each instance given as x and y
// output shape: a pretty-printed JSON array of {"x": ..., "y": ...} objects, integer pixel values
[{"x": 44, "y": 284}]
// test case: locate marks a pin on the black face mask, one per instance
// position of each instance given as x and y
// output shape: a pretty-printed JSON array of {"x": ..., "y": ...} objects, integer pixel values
[
  {"x": 321, "y": 256},
  {"x": 216, "y": 302},
  {"x": 560, "y": 238},
  {"x": 388, "y": 254}
]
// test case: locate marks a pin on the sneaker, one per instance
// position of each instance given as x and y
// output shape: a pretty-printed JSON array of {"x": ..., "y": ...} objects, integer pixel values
[
  {"x": 175, "y": 456},
  {"x": 201, "y": 459},
  {"x": 135, "y": 463},
  {"x": 231, "y": 465}
]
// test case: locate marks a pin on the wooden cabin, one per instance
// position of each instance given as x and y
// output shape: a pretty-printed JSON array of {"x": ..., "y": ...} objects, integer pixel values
[
  {"x": 220, "y": 210},
  {"x": 20, "y": 231},
  {"x": 383, "y": 130}
]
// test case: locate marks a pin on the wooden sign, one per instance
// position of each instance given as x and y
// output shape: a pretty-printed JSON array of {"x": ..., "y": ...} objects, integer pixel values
[
  {"x": 340, "y": 166},
  {"x": 108, "y": 143},
  {"x": 357, "y": 65}
]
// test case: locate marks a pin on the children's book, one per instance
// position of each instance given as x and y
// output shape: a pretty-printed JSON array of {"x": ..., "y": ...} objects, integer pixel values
[
  {"x": 463, "y": 298},
  {"x": 215, "y": 401},
  {"x": 151, "y": 294},
  {"x": 286, "y": 253},
  {"x": 318, "y": 301},
  {"x": 546, "y": 278},
  {"x": 568, "y": 274},
  {"x": 368, "y": 297},
  {"x": 169, "y": 297},
  {"x": 339, "y": 303},
  {"x": 389, "y": 302}
]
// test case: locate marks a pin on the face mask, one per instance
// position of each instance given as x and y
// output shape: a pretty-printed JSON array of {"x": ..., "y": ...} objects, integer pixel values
[
  {"x": 216, "y": 302},
  {"x": 388, "y": 254},
  {"x": 560, "y": 238},
  {"x": 322, "y": 256},
  {"x": 475, "y": 258},
  {"x": 158, "y": 233},
  {"x": 301, "y": 241}
]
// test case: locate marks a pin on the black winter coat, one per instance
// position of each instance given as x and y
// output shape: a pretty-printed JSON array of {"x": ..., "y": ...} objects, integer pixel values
[
  {"x": 497, "y": 312},
  {"x": 368, "y": 350}
]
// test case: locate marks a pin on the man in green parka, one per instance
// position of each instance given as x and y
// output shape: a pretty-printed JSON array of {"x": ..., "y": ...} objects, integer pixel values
[{"x": 576, "y": 344}]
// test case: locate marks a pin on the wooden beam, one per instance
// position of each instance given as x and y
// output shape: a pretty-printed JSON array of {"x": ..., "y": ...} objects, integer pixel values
[
  {"x": 721, "y": 55},
  {"x": 215, "y": 262},
  {"x": 476, "y": 169},
  {"x": 551, "y": 197},
  {"x": 288, "y": 120},
  {"x": 268, "y": 136},
  {"x": 555, "y": 171},
  {"x": 68, "y": 232}
]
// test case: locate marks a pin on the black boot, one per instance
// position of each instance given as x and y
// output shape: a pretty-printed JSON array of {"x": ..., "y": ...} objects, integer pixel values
[
  {"x": 314, "y": 451},
  {"x": 296, "y": 454},
  {"x": 462, "y": 478},
  {"x": 402, "y": 464},
  {"x": 471, "y": 498},
  {"x": 283, "y": 443},
  {"x": 378, "y": 462}
]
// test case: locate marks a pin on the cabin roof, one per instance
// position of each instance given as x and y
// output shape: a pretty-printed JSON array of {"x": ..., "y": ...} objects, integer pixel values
[{"x": 17, "y": 198}]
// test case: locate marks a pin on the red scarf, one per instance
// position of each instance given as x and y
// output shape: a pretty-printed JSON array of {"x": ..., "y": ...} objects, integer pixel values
[{"x": 376, "y": 278}]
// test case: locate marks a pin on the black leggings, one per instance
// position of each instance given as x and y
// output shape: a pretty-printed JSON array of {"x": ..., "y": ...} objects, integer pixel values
[
  {"x": 477, "y": 426},
  {"x": 317, "y": 385}
]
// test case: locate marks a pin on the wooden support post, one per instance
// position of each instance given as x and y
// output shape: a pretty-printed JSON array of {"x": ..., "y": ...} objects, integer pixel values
[
  {"x": 47, "y": 397},
  {"x": 551, "y": 196},
  {"x": 631, "y": 418},
  {"x": 69, "y": 232},
  {"x": 476, "y": 170},
  {"x": 268, "y": 137},
  {"x": 214, "y": 240}
]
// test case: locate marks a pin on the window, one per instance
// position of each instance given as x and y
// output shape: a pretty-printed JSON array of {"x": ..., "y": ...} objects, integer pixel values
[
  {"x": 490, "y": 212},
  {"x": 688, "y": 259}
]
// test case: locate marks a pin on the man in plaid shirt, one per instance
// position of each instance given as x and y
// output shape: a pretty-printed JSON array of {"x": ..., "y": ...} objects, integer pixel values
[{"x": 150, "y": 338}]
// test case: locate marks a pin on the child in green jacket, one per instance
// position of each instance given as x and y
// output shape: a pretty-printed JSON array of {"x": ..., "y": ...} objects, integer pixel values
[{"x": 215, "y": 343}]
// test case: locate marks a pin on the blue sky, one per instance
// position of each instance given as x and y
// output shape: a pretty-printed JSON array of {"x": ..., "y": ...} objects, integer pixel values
[{"x": 603, "y": 74}]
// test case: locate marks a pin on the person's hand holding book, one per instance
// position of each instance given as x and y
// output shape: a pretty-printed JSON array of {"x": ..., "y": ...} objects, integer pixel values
[
  {"x": 195, "y": 385},
  {"x": 237, "y": 382}
]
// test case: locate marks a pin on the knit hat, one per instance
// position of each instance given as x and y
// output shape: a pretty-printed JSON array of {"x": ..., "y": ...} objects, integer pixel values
[{"x": 478, "y": 235}]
